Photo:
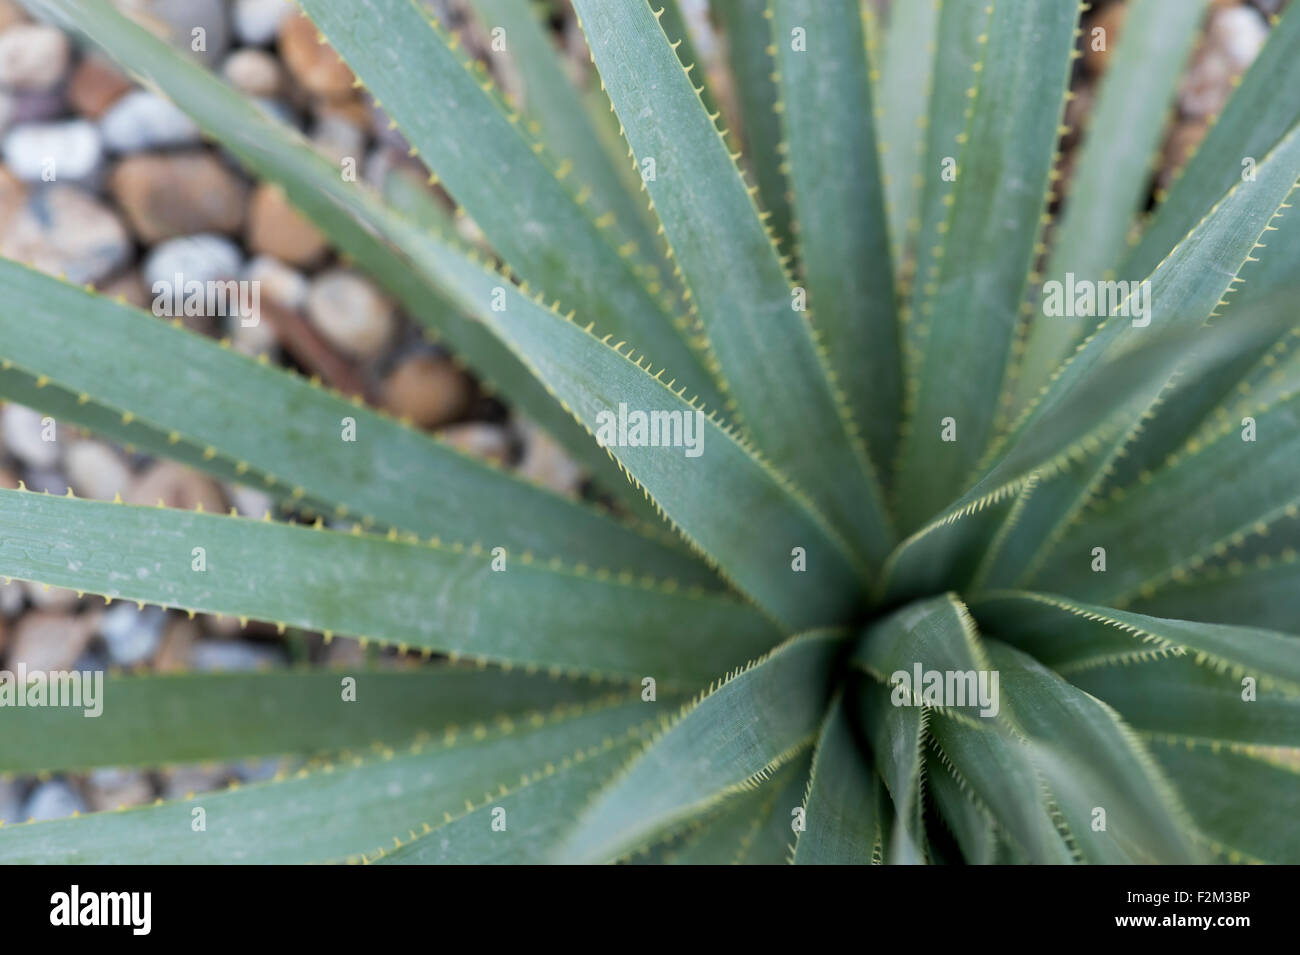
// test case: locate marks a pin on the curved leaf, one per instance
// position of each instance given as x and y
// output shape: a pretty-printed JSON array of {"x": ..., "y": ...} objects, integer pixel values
[
  {"x": 157, "y": 719},
  {"x": 843, "y": 235},
  {"x": 759, "y": 719},
  {"x": 348, "y": 810},
  {"x": 843, "y": 827},
  {"x": 403, "y": 592},
  {"x": 495, "y": 171},
  {"x": 795, "y": 412},
  {"x": 969, "y": 309},
  {"x": 307, "y": 442}
]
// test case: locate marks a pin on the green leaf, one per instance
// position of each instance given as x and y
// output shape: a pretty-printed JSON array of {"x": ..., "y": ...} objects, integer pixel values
[
  {"x": 971, "y": 826},
  {"x": 1073, "y": 427},
  {"x": 843, "y": 827},
  {"x": 751, "y": 828},
  {"x": 936, "y": 633},
  {"x": 1217, "y": 780},
  {"x": 907, "y": 68},
  {"x": 961, "y": 50},
  {"x": 989, "y": 755},
  {"x": 1259, "y": 113},
  {"x": 673, "y": 22},
  {"x": 1148, "y": 532},
  {"x": 537, "y": 815},
  {"x": 897, "y": 738},
  {"x": 1259, "y": 596},
  {"x": 835, "y": 175},
  {"x": 158, "y": 719},
  {"x": 997, "y": 770},
  {"x": 1189, "y": 284},
  {"x": 390, "y": 475},
  {"x": 1091, "y": 760},
  {"x": 552, "y": 101},
  {"x": 1178, "y": 695},
  {"x": 497, "y": 173},
  {"x": 594, "y": 378},
  {"x": 343, "y": 811},
  {"x": 438, "y": 598},
  {"x": 988, "y": 243},
  {"x": 1111, "y": 175},
  {"x": 749, "y": 37},
  {"x": 795, "y": 410},
  {"x": 381, "y": 242},
  {"x": 1071, "y": 636},
  {"x": 757, "y": 720}
]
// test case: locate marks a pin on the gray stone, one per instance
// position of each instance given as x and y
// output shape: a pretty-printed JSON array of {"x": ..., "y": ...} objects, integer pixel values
[
  {"x": 143, "y": 120},
  {"x": 176, "y": 22},
  {"x": 64, "y": 230},
  {"x": 96, "y": 471},
  {"x": 53, "y": 800},
  {"x": 113, "y": 788},
  {"x": 198, "y": 258},
  {"x": 234, "y": 655},
  {"x": 67, "y": 151},
  {"x": 24, "y": 436},
  {"x": 33, "y": 56},
  {"x": 258, "y": 21},
  {"x": 131, "y": 635}
]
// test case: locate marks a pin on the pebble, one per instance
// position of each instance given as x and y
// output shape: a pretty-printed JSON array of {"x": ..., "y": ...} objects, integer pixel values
[
  {"x": 178, "y": 640},
  {"x": 180, "y": 782},
  {"x": 277, "y": 282},
  {"x": 1111, "y": 21},
  {"x": 53, "y": 800},
  {"x": 50, "y": 598},
  {"x": 338, "y": 137},
  {"x": 258, "y": 21},
  {"x": 95, "y": 86},
  {"x": 36, "y": 106},
  {"x": 96, "y": 471},
  {"x": 143, "y": 120},
  {"x": 250, "y": 502},
  {"x": 254, "y": 72},
  {"x": 198, "y": 258},
  {"x": 112, "y": 788},
  {"x": 33, "y": 56},
  {"x": 62, "y": 151},
  {"x": 64, "y": 230},
  {"x": 11, "y": 802},
  {"x": 11, "y": 12},
  {"x": 11, "y": 598},
  {"x": 488, "y": 442},
  {"x": 46, "y": 481},
  {"x": 252, "y": 340},
  {"x": 546, "y": 463},
  {"x": 212, "y": 655},
  {"x": 427, "y": 389},
  {"x": 129, "y": 287},
  {"x": 315, "y": 65},
  {"x": 131, "y": 635},
  {"x": 176, "y": 20},
  {"x": 25, "y": 434},
  {"x": 176, "y": 486},
  {"x": 350, "y": 312},
  {"x": 50, "y": 639},
  {"x": 276, "y": 228},
  {"x": 179, "y": 194},
  {"x": 1239, "y": 34}
]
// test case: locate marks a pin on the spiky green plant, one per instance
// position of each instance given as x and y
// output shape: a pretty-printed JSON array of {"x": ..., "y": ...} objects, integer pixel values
[{"x": 930, "y": 475}]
